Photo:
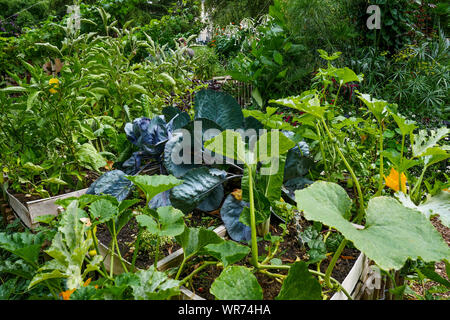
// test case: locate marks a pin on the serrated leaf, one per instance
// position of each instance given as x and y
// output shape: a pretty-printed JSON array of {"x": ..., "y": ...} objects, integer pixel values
[
  {"x": 228, "y": 252},
  {"x": 169, "y": 222},
  {"x": 192, "y": 240},
  {"x": 103, "y": 211},
  {"x": 24, "y": 245},
  {"x": 152, "y": 185}
]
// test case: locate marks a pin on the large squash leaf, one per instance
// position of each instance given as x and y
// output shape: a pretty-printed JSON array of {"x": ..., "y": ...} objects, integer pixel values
[
  {"x": 236, "y": 283},
  {"x": 228, "y": 252},
  {"x": 193, "y": 240},
  {"x": 436, "y": 205},
  {"x": 68, "y": 250},
  {"x": 154, "y": 285},
  {"x": 393, "y": 233},
  {"x": 300, "y": 284}
]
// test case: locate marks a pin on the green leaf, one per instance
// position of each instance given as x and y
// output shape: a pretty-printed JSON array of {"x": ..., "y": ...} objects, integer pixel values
[
  {"x": 89, "y": 158},
  {"x": 257, "y": 96},
  {"x": 273, "y": 145},
  {"x": 31, "y": 99},
  {"x": 406, "y": 126},
  {"x": 437, "y": 205},
  {"x": 300, "y": 284},
  {"x": 192, "y": 240},
  {"x": 219, "y": 107},
  {"x": 154, "y": 285},
  {"x": 229, "y": 144},
  {"x": 55, "y": 181},
  {"x": 324, "y": 55},
  {"x": 377, "y": 107},
  {"x": 345, "y": 75},
  {"x": 103, "y": 211},
  {"x": 14, "y": 89},
  {"x": 198, "y": 185},
  {"x": 152, "y": 185},
  {"x": 69, "y": 248},
  {"x": 228, "y": 252},
  {"x": 24, "y": 245},
  {"x": 278, "y": 58},
  {"x": 33, "y": 167},
  {"x": 307, "y": 102},
  {"x": 169, "y": 222},
  {"x": 236, "y": 283},
  {"x": 393, "y": 233},
  {"x": 423, "y": 141},
  {"x": 431, "y": 274}
]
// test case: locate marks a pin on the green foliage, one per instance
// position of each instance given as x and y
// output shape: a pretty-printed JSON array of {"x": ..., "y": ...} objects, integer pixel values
[
  {"x": 236, "y": 283},
  {"x": 393, "y": 233}
]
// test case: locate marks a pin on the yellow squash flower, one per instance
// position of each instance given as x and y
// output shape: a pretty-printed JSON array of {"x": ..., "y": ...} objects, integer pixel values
[
  {"x": 66, "y": 294},
  {"x": 393, "y": 179},
  {"x": 54, "y": 82}
]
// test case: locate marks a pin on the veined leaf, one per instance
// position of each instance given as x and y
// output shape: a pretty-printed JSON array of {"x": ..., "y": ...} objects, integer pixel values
[
  {"x": 393, "y": 233},
  {"x": 300, "y": 284},
  {"x": 169, "y": 222},
  {"x": 236, "y": 283}
]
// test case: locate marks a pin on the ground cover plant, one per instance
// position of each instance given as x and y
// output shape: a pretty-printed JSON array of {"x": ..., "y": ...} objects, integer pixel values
[{"x": 332, "y": 161}]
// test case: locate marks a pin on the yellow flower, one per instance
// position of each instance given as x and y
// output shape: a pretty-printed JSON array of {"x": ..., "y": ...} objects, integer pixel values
[
  {"x": 393, "y": 179},
  {"x": 54, "y": 82},
  {"x": 86, "y": 283},
  {"x": 66, "y": 294}
]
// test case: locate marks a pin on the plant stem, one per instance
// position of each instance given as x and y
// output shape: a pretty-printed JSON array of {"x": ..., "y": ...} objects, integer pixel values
[
  {"x": 158, "y": 243},
  {"x": 322, "y": 151},
  {"x": 136, "y": 248},
  {"x": 118, "y": 248},
  {"x": 360, "y": 215},
  {"x": 317, "y": 273},
  {"x": 401, "y": 162},
  {"x": 380, "y": 182},
  {"x": 333, "y": 262},
  {"x": 193, "y": 273},
  {"x": 94, "y": 237},
  {"x": 181, "y": 267},
  {"x": 254, "y": 259}
]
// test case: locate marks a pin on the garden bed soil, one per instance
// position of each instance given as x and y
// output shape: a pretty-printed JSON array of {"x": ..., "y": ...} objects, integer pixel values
[
  {"x": 290, "y": 250},
  {"x": 127, "y": 237},
  {"x": 91, "y": 176}
]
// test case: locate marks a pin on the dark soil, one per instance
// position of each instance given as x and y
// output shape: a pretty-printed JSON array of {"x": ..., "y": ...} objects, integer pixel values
[
  {"x": 127, "y": 237},
  {"x": 290, "y": 250}
]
